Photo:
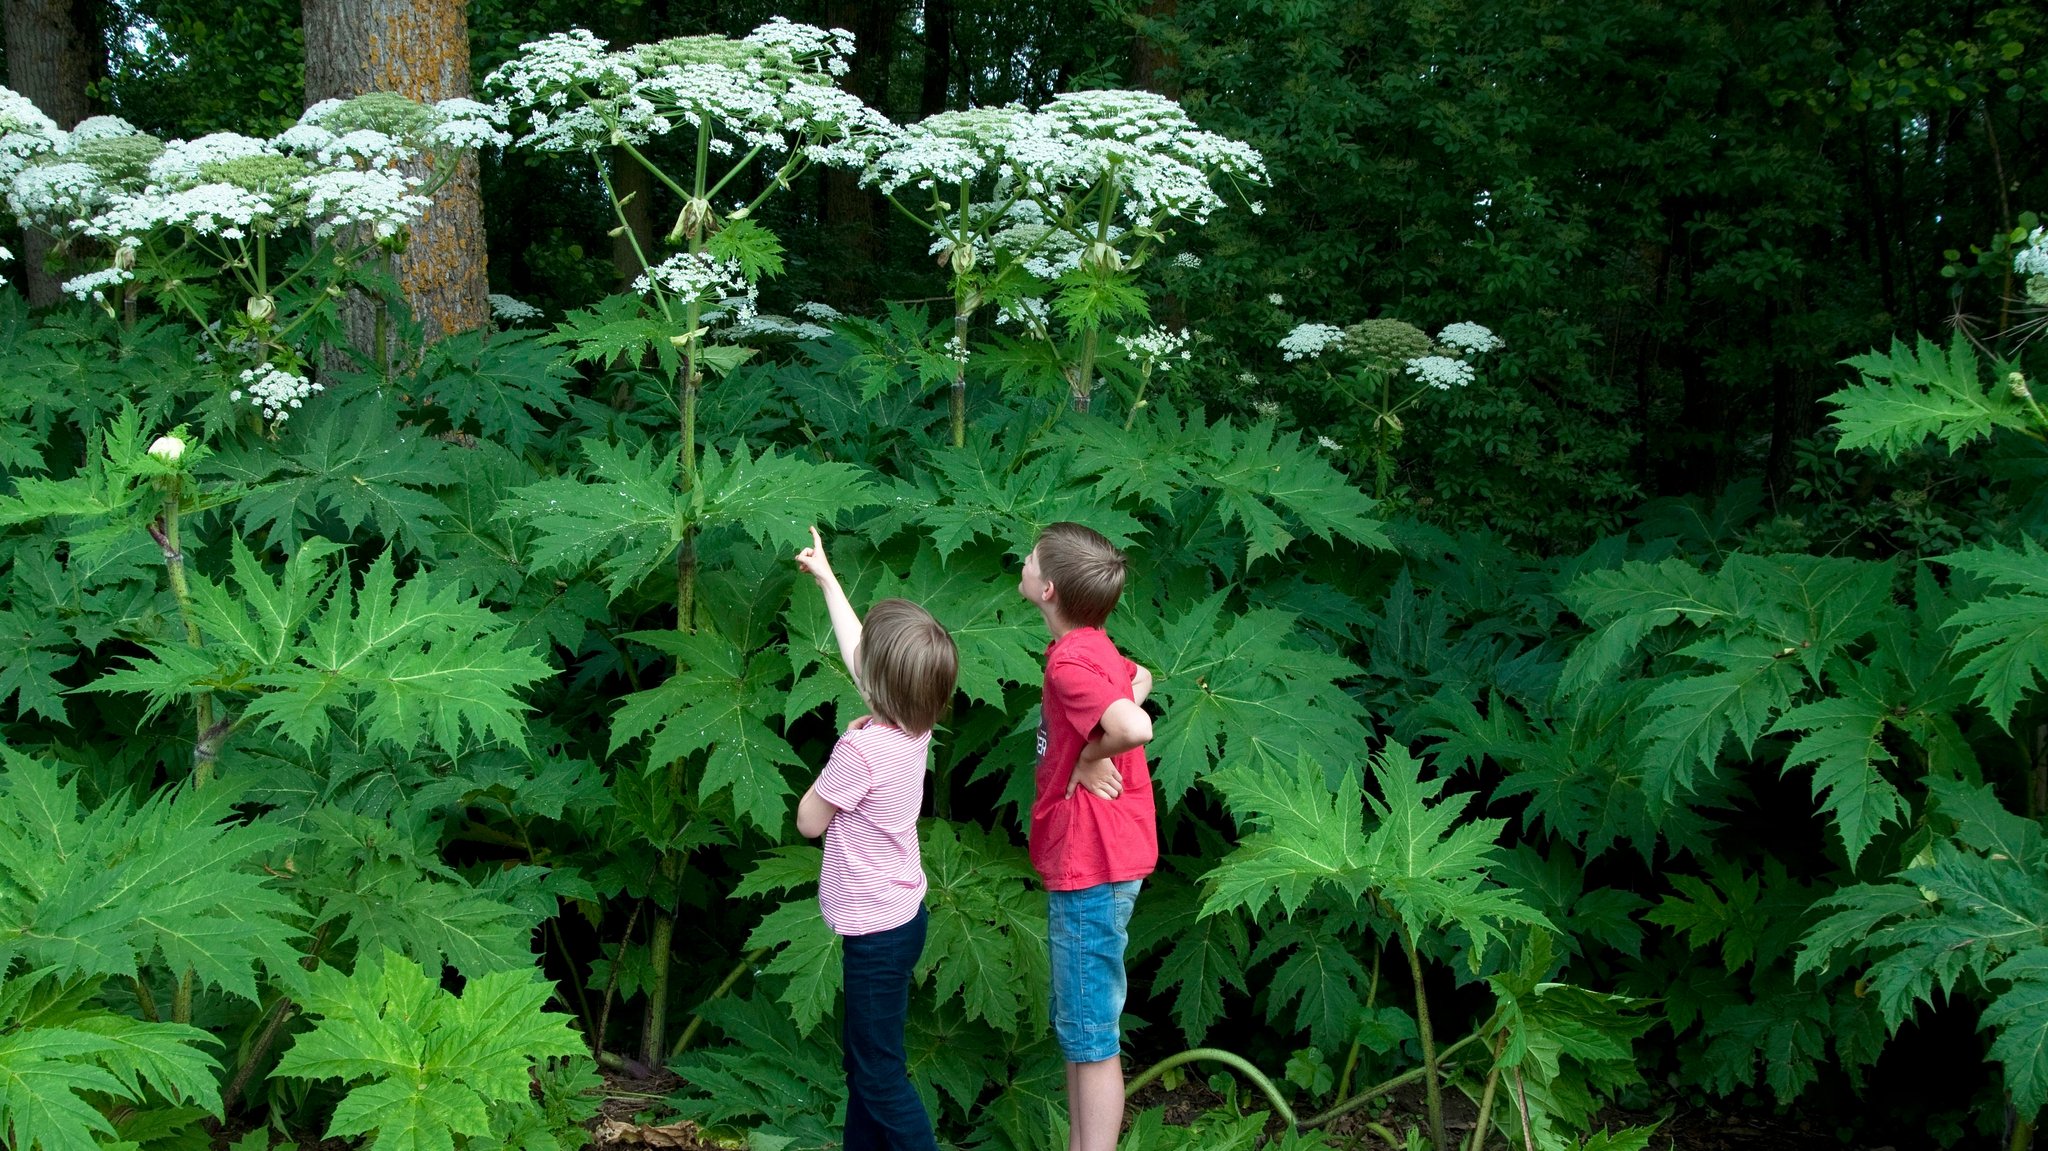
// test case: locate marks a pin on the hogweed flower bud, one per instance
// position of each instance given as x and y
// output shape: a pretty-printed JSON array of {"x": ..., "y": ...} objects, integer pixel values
[
  {"x": 169, "y": 449},
  {"x": 262, "y": 308},
  {"x": 2017, "y": 384}
]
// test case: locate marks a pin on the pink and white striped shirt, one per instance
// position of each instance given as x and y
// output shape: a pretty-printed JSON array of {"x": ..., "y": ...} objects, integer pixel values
[{"x": 872, "y": 878}]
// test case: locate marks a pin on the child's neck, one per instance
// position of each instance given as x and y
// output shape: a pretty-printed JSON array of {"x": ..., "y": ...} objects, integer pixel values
[{"x": 1054, "y": 622}]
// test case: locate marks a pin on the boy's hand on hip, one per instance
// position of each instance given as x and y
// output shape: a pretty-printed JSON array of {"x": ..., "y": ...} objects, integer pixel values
[{"x": 1099, "y": 776}]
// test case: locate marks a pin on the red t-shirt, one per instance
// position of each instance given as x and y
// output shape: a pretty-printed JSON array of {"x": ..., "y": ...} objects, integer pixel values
[{"x": 1083, "y": 840}]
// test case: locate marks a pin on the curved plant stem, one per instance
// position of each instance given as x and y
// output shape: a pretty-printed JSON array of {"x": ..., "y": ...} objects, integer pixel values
[
  {"x": 1379, "y": 1089},
  {"x": 1522, "y": 1095},
  {"x": 1486, "y": 1095},
  {"x": 1431, "y": 1079},
  {"x": 611, "y": 986},
  {"x": 280, "y": 1013},
  {"x": 1372, "y": 997},
  {"x": 725, "y": 985},
  {"x": 1217, "y": 1055}
]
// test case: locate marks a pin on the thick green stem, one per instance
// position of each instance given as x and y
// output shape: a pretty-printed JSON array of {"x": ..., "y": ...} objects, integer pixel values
[
  {"x": 1229, "y": 1059},
  {"x": 1431, "y": 1079},
  {"x": 181, "y": 999},
  {"x": 654, "y": 1038},
  {"x": 718, "y": 992},
  {"x": 1372, "y": 996},
  {"x": 146, "y": 999},
  {"x": 962, "y": 310},
  {"x": 205, "y": 740},
  {"x": 1144, "y": 378},
  {"x": 1083, "y": 381}
]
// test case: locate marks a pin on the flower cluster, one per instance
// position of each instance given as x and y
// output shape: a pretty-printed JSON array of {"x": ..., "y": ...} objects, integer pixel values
[
  {"x": 1307, "y": 341},
  {"x": 1468, "y": 338},
  {"x": 774, "y": 327},
  {"x": 24, "y": 132},
  {"x": 2032, "y": 262},
  {"x": 274, "y": 391},
  {"x": 1440, "y": 372},
  {"x": 1137, "y": 148},
  {"x": 94, "y": 285},
  {"x": 510, "y": 310},
  {"x": 773, "y": 89},
  {"x": 823, "y": 313},
  {"x": 5, "y": 256},
  {"x": 1157, "y": 349},
  {"x": 697, "y": 277}
]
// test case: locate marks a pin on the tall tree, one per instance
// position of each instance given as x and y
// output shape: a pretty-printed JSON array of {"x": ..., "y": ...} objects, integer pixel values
[
  {"x": 55, "y": 50},
  {"x": 418, "y": 49}
]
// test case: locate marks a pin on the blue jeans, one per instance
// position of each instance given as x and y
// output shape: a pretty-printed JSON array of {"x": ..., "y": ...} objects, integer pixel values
[
  {"x": 1090, "y": 929},
  {"x": 883, "y": 1112}
]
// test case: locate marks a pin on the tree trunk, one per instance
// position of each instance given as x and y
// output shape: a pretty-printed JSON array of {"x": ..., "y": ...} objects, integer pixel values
[
  {"x": 1149, "y": 57},
  {"x": 418, "y": 49},
  {"x": 938, "y": 56},
  {"x": 54, "y": 53},
  {"x": 847, "y": 210}
]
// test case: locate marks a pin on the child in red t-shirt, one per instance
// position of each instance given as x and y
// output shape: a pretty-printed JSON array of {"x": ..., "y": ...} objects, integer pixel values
[{"x": 1093, "y": 833}]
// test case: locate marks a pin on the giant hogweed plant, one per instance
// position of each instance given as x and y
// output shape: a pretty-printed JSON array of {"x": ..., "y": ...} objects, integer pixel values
[
  {"x": 1051, "y": 213},
  {"x": 251, "y": 240}
]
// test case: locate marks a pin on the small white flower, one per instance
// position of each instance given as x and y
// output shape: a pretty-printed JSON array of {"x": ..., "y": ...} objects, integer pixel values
[
  {"x": 1328, "y": 444},
  {"x": 1187, "y": 260},
  {"x": 1307, "y": 341},
  {"x": 169, "y": 449},
  {"x": 1275, "y": 299},
  {"x": 823, "y": 313},
  {"x": 1440, "y": 372}
]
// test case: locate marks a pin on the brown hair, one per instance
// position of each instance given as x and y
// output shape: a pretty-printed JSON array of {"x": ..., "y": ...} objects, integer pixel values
[
  {"x": 908, "y": 666},
  {"x": 1085, "y": 570}
]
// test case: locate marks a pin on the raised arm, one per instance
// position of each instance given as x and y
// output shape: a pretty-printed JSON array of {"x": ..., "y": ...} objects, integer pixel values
[{"x": 845, "y": 624}]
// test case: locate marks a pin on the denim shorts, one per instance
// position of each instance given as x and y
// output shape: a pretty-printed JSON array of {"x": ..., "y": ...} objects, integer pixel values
[{"x": 1089, "y": 930}]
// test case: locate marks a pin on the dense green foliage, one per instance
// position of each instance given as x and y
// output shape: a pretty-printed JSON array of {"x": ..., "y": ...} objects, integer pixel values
[{"x": 368, "y": 769}]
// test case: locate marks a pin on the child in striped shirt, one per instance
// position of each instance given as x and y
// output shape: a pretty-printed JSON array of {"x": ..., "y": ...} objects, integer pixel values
[{"x": 871, "y": 886}]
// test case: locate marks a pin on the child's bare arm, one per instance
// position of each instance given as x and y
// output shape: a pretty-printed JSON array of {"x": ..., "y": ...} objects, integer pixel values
[
  {"x": 813, "y": 814},
  {"x": 845, "y": 624},
  {"x": 1141, "y": 682},
  {"x": 1124, "y": 726}
]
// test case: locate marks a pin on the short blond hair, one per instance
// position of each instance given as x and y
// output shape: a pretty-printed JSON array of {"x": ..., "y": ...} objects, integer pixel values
[
  {"x": 1086, "y": 572},
  {"x": 908, "y": 666}
]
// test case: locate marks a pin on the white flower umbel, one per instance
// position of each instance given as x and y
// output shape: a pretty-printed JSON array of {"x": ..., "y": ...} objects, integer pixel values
[
  {"x": 1471, "y": 339},
  {"x": 699, "y": 277},
  {"x": 5, "y": 256},
  {"x": 823, "y": 313},
  {"x": 1307, "y": 341},
  {"x": 24, "y": 132},
  {"x": 101, "y": 128},
  {"x": 468, "y": 123},
  {"x": 208, "y": 209},
  {"x": 1029, "y": 311},
  {"x": 510, "y": 310},
  {"x": 273, "y": 391},
  {"x": 94, "y": 285},
  {"x": 1159, "y": 162},
  {"x": 50, "y": 196},
  {"x": 385, "y": 202},
  {"x": 771, "y": 90},
  {"x": 2032, "y": 260},
  {"x": 782, "y": 327},
  {"x": 182, "y": 160},
  {"x": 1186, "y": 260},
  {"x": 1157, "y": 349},
  {"x": 1440, "y": 372}
]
